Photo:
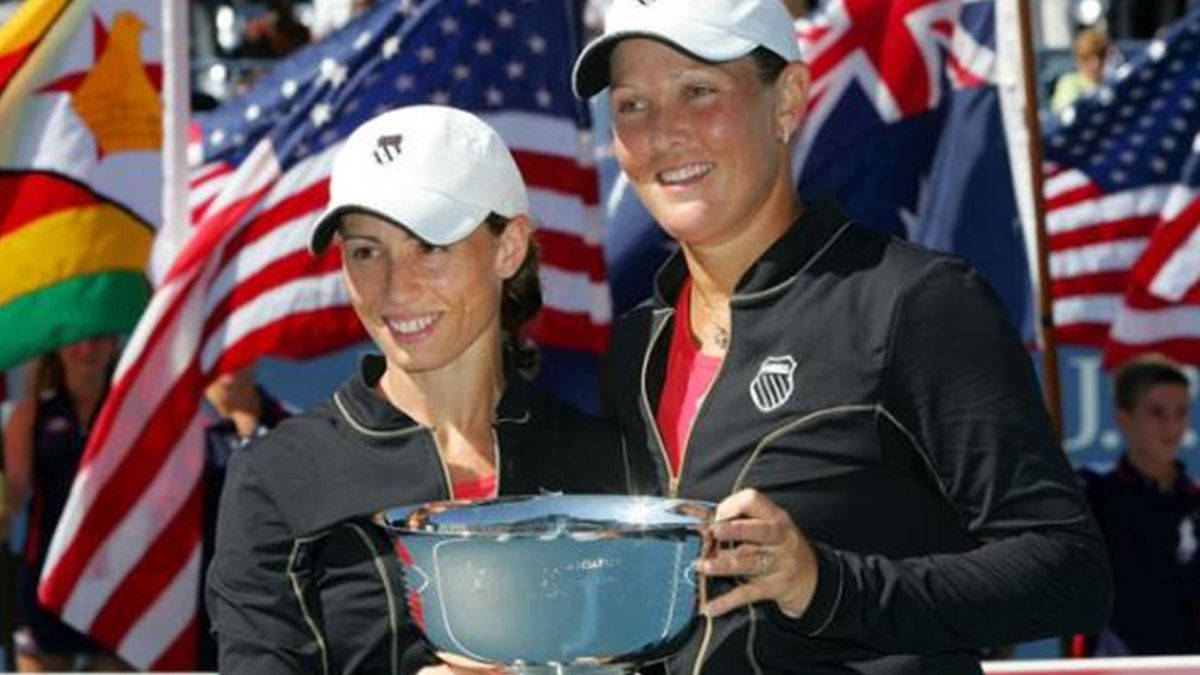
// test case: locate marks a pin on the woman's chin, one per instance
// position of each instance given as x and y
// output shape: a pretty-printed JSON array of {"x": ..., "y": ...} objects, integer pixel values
[{"x": 690, "y": 228}]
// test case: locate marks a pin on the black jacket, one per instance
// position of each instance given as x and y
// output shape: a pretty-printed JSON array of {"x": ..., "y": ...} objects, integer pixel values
[
  {"x": 877, "y": 392},
  {"x": 303, "y": 582}
]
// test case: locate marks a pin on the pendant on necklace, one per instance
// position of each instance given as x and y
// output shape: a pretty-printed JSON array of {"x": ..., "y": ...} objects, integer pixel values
[{"x": 721, "y": 337}]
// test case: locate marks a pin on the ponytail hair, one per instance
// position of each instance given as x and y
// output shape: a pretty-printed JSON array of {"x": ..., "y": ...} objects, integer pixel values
[{"x": 521, "y": 299}]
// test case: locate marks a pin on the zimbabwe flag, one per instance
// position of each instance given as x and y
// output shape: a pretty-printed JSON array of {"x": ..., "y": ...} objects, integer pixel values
[{"x": 81, "y": 138}]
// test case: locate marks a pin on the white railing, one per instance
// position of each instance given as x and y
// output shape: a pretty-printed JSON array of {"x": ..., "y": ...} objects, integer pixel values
[{"x": 1156, "y": 665}]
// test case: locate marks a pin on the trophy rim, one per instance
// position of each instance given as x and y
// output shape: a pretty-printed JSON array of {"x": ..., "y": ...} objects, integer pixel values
[{"x": 690, "y": 515}]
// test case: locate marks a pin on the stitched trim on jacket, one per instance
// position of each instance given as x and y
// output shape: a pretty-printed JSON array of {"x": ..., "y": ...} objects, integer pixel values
[
  {"x": 364, "y": 429},
  {"x": 523, "y": 419},
  {"x": 837, "y": 600},
  {"x": 792, "y": 426},
  {"x": 393, "y": 622},
  {"x": 920, "y": 450},
  {"x": 648, "y": 417},
  {"x": 308, "y": 619},
  {"x": 779, "y": 287},
  {"x": 751, "y": 636}
]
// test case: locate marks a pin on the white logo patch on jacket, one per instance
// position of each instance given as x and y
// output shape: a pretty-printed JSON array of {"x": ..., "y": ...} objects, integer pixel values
[{"x": 773, "y": 385}]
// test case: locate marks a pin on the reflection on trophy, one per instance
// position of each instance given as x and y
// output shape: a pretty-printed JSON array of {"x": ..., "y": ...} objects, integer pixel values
[{"x": 554, "y": 583}]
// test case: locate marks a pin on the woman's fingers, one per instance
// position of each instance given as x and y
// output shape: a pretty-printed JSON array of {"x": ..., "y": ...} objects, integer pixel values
[
  {"x": 740, "y": 596},
  {"x": 753, "y": 530},
  {"x": 758, "y": 543},
  {"x": 742, "y": 561}
]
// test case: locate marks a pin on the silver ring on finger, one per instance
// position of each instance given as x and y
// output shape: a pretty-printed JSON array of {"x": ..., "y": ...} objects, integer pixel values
[{"x": 764, "y": 562}]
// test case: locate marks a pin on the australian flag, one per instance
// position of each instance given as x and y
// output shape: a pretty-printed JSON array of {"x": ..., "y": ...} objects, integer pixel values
[{"x": 907, "y": 128}]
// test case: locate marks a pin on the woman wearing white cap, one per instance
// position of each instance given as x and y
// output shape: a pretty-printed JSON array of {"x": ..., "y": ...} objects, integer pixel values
[
  {"x": 431, "y": 215},
  {"x": 893, "y": 497}
]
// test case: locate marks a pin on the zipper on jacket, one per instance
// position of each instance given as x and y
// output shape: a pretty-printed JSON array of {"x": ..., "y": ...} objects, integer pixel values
[
  {"x": 648, "y": 414},
  {"x": 496, "y": 458},
  {"x": 447, "y": 483}
]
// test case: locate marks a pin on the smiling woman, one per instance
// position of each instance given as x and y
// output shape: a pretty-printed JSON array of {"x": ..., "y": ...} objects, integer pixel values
[{"x": 432, "y": 220}]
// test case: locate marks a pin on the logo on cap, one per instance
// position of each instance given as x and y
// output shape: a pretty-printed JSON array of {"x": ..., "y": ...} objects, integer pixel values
[
  {"x": 773, "y": 385},
  {"x": 388, "y": 144}
]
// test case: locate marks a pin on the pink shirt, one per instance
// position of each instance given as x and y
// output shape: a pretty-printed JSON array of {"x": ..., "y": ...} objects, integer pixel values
[
  {"x": 689, "y": 375},
  {"x": 483, "y": 487}
]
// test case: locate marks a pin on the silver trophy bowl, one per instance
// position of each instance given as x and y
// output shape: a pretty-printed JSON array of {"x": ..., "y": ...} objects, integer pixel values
[{"x": 553, "y": 583}]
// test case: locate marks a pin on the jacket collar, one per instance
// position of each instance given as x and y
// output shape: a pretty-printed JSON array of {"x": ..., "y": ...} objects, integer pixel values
[
  {"x": 802, "y": 243},
  {"x": 1129, "y": 475},
  {"x": 357, "y": 399}
]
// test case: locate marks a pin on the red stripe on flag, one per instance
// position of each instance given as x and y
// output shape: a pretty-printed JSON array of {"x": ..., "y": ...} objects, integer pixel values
[
  {"x": 570, "y": 252},
  {"x": 162, "y": 562},
  {"x": 181, "y": 654},
  {"x": 198, "y": 212},
  {"x": 210, "y": 232},
  {"x": 1140, "y": 298},
  {"x": 28, "y": 195},
  {"x": 568, "y": 330},
  {"x": 963, "y": 76},
  {"x": 1091, "y": 334},
  {"x": 1073, "y": 196},
  {"x": 280, "y": 271},
  {"x": 303, "y": 202},
  {"x": 1128, "y": 228},
  {"x": 1182, "y": 350},
  {"x": 11, "y": 62},
  {"x": 1091, "y": 284},
  {"x": 218, "y": 170},
  {"x": 294, "y": 337},
  {"x": 1168, "y": 238},
  {"x": 560, "y": 174}
]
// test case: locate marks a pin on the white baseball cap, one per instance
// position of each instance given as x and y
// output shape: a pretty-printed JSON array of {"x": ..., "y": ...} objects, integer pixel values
[
  {"x": 710, "y": 30},
  {"x": 435, "y": 170}
]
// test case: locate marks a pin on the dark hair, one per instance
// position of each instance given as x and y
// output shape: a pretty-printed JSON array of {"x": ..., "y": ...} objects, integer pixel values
[
  {"x": 51, "y": 374},
  {"x": 768, "y": 63},
  {"x": 521, "y": 298},
  {"x": 1140, "y": 374}
]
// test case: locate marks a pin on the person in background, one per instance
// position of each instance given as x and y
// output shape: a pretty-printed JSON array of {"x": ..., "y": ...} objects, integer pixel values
[
  {"x": 275, "y": 33},
  {"x": 891, "y": 496},
  {"x": 432, "y": 220},
  {"x": 236, "y": 410},
  {"x": 43, "y": 444},
  {"x": 1147, "y": 507},
  {"x": 8, "y": 561},
  {"x": 1090, "y": 50}
]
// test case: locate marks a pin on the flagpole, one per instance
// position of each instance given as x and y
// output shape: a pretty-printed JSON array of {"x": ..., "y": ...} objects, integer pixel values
[
  {"x": 176, "y": 110},
  {"x": 1050, "y": 375}
]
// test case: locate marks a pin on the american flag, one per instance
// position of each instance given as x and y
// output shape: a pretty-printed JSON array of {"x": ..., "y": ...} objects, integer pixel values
[
  {"x": 124, "y": 562},
  {"x": 1123, "y": 206}
]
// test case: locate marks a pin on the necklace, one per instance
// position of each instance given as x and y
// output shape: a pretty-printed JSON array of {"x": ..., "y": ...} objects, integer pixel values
[{"x": 719, "y": 331}]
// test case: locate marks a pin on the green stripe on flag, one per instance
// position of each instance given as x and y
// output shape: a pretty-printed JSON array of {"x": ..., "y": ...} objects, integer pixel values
[{"x": 70, "y": 310}]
